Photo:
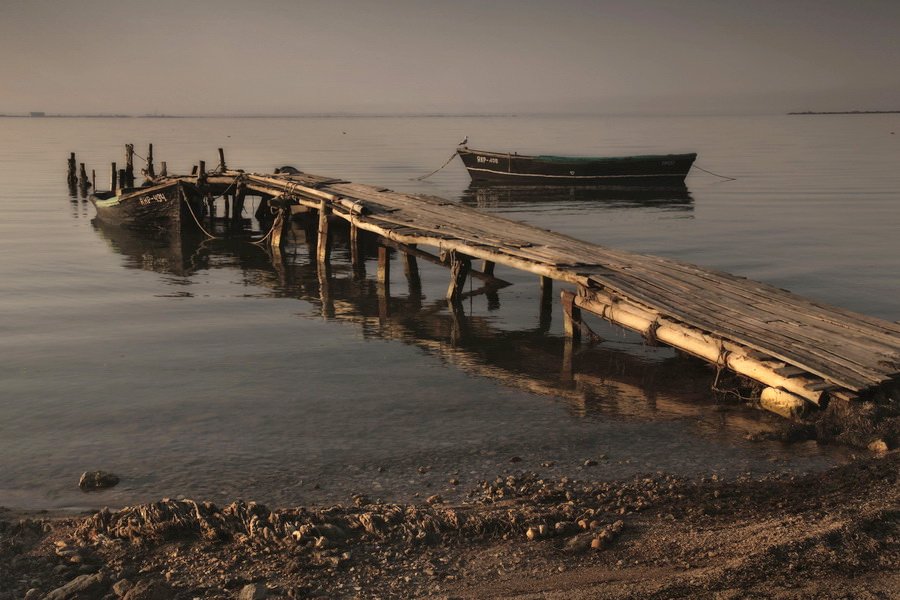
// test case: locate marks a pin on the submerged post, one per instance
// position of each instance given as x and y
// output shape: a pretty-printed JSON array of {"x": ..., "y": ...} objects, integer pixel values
[
  {"x": 411, "y": 270},
  {"x": 460, "y": 265},
  {"x": 384, "y": 266},
  {"x": 323, "y": 243},
  {"x": 70, "y": 177},
  {"x": 356, "y": 255},
  {"x": 571, "y": 317},
  {"x": 546, "y": 310}
]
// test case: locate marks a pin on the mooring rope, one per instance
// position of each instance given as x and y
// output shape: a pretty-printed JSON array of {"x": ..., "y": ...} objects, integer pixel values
[
  {"x": 197, "y": 221},
  {"x": 726, "y": 178},
  {"x": 275, "y": 224},
  {"x": 452, "y": 156}
]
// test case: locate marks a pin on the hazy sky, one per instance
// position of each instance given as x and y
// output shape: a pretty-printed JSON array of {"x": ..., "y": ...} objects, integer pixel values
[{"x": 365, "y": 56}]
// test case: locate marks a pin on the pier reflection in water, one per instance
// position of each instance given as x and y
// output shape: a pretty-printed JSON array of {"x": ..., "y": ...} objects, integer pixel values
[
  {"x": 328, "y": 392},
  {"x": 622, "y": 379}
]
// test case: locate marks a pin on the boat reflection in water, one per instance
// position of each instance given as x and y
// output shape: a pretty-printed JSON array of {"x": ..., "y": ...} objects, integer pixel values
[
  {"x": 600, "y": 380},
  {"x": 486, "y": 195}
]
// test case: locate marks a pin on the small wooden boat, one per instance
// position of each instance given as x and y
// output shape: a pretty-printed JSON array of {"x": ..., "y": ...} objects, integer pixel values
[
  {"x": 165, "y": 206},
  {"x": 505, "y": 167}
]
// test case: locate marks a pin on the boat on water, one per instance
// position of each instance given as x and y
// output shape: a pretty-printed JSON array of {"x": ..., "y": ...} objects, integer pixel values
[
  {"x": 513, "y": 168},
  {"x": 164, "y": 206}
]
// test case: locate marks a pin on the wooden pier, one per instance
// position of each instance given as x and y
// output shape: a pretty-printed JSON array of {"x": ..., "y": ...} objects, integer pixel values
[{"x": 800, "y": 352}]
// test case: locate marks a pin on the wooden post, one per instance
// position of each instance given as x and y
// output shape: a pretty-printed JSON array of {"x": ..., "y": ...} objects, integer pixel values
[
  {"x": 356, "y": 256},
  {"x": 323, "y": 243},
  {"x": 487, "y": 267},
  {"x": 201, "y": 173},
  {"x": 221, "y": 160},
  {"x": 123, "y": 179},
  {"x": 460, "y": 265},
  {"x": 70, "y": 177},
  {"x": 93, "y": 179},
  {"x": 238, "y": 205},
  {"x": 163, "y": 172},
  {"x": 411, "y": 270},
  {"x": 384, "y": 265},
  {"x": 571, "y": 317},
  {"x": 277, "y": 241},
  {"x": 151, "y": 173},
  {"x": 129, "y": 165},
  {"x": 113, "y": 179},
  {"x": 546, "y": 310},
  {"x": 82, "y": 176}
]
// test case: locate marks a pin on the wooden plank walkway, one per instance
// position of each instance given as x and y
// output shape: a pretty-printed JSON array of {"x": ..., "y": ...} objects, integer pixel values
[{"x": 786, "y": 342}]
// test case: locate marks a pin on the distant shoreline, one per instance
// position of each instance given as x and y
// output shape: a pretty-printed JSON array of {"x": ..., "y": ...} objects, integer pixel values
[{"x": 847, "y": 112}]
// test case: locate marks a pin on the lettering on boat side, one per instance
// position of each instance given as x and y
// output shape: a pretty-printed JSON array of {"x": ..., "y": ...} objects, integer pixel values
[
  {"x": 491, "y": 161},
  {"x": 153, "y": 199}
]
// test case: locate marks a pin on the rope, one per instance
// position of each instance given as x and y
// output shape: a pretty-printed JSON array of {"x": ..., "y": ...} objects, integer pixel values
[
  {"x": 715, "y": 174},
  {"x": 452, "y": 156},
  {"x": 275, "y": 223},
  {"x": 197, "y": 221}
]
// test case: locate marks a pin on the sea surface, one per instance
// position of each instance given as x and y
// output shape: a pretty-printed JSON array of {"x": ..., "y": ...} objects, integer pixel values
[{"x": 212, "y": 371}]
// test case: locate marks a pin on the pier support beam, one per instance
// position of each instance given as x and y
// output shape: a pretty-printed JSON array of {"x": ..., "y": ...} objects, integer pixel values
[
  {"x": 71, "y": 177},
  {"x": 411, "y": 270},
  {"x": 546, "y": 308},
  {"x": 151, "y": 170},
  {"x": 323, "y": 241},
  {"x": 487, "y": 267},
  {"x": 571, "y": 317},
  {"x": 460, "y": 265},
  {"x": 129, "y": 165},
  {"x": 384, "y": 266}
]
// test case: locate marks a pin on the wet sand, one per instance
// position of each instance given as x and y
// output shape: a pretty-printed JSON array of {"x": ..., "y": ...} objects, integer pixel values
[{"x": 832, "y": 534}]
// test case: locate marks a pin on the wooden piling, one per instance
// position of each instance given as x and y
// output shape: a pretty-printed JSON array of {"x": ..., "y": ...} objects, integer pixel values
[
  {"x": 163, "y": 171},
  {"x": 240, "y": 193},
  {"x": 113, "y": 179},
  {"x": 356, "y": 255},
  {"x": 384, "y": 265},
  {"x": 571, "y": 317},
  {"x": 123, "y": 179},
  {"x": 82, "y": 176},
  {"x": 460, "y": 265},
  {"x": 221, "y": 160},
  {"x": 93, "y": 179},
  {"x": 546, "y": 307},
  {"x": 71, "y": 177},
  {"x": 129, "y": 165},
  {"x": 411, "y": 270},
  {"x": 487, "y": 267},
  {"x": 151, "y": 173},
  {"x": 323, "y": 241}
]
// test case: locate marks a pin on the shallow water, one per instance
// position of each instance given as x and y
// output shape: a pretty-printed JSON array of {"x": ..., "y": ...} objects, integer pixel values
[{"x": 215, "y": 373}]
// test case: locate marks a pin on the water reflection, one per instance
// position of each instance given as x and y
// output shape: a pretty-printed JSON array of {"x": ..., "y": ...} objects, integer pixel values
[
  {"x": 593, "y": 381},
  {"x": 674, "y": 197}
]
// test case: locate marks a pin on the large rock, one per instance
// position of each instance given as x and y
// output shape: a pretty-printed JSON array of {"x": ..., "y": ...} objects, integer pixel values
[
  {"x": 85, "y": 587},
  {"x": 97, "y": 480}
]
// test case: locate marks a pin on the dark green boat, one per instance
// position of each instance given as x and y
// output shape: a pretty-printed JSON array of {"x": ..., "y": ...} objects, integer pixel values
[{"x": 506, "y": 167}]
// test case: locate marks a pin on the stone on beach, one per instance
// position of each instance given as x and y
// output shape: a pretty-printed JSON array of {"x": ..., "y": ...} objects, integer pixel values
[{"x": 97, "y": 480}]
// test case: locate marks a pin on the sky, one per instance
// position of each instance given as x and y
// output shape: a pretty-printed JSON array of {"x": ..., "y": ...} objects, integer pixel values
[{"x": 279, "y": 57}]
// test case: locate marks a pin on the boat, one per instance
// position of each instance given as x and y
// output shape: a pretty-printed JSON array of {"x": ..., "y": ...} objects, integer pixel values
[
  {"x": 509, "y": 168},
  {"x": 169, "y": 206}
]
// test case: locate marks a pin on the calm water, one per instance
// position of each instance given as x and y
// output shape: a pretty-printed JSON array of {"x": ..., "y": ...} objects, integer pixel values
[{"x": 212, "y": 372}]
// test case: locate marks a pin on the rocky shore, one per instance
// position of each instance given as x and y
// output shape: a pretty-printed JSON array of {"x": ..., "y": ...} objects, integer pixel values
[{"x": 833, "y": 534}]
